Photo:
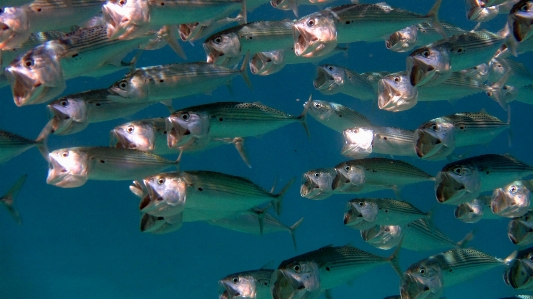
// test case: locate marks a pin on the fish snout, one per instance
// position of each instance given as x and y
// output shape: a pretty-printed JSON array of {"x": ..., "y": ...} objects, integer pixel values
[{"x": 448, "y": 189}]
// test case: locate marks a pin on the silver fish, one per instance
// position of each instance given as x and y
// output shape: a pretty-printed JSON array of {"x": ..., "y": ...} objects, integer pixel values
[
  {"x": 475, "y": 210},
  {"x": 519, "y": 273},
  {"x": 360, "y": 142},
  {"x": 331, "y": 79},
  {"x": 9, "y": 198},
  {"x": 519, "y": 76},
  {"x": 254, "y": 284},
  {"x": 520, "y": 230},
  {"x": 433, "y": 64},
  {"x": 436, "y": 139},
  {"x": 72, "y": 167},
  {"x": 223, "y": 47},
  {"x": 35, "y": 39},
  {"x": 383, "y": 236},
  {"x": 197, "y": 30},
  {"x": 318, "y": 33},
  {"x": 418, "y": 35},
  {"x": 160, "y": 225},
  {"x": 464, "y": 180},
  {"x": 477, "y": 11},
  {"x": 317, "y": 183},
  {"x": 512, "y": 200},
  {"x": 226, "y": 120},
  {"x": 520, "y": 20},
  {"x": 335, "y": 116}
]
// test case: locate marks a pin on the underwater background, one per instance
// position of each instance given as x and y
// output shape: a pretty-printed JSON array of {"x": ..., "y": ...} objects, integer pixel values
[{"x": 85, "y": 242}]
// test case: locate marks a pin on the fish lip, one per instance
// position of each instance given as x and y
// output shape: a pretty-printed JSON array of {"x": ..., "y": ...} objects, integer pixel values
[
  {"x": 498, "y": 200},
  {"x": 419, "y": 72},
  {"x": 393, "y": 40},
  {"x": 285, "y": 279},
  {"x": 387, "y": 95},
  {"x": 443, "y": 188},
  {"x": 426, "y": 144},
  {"x": 185, "y": 31},
  {"x": 117, "y": 136},
  {"x": 304, "y": 40},
  {"x": 520, "y": 231},
  {"x": 22, "y": 86},
  {"x": 464, "y": 209},
  {"x": 324, "y": 80},
  {"x": 212, "y": 54}
]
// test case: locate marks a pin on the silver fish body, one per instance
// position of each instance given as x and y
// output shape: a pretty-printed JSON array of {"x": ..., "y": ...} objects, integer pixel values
[
  {"x": 360, "y": 142},
  {"x": 12, "y": 145},
  {"x": 437, "y": 138},
  {"x": 317, "y": 183},
  {"x": 519, "y": 273},
  {"x": 148, "y": 135},
  {"x": 512, "y": 200},
  {"x": 383, "y": 237},
  {"x": 520, "y": 230},
  {"x": 331, "y": 79},
  {"x": 381, "y": 211},
  {"x": 464, "y": 180},
  {"x": 336, "y": 116},
  {"x": 72, "y": 167},
  {"x": 254, "y": 284},
  {"x": 418, "y": 35}
]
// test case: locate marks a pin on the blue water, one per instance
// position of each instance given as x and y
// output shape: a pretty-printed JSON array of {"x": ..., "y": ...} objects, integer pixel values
[{"x": 86, "y": 243}]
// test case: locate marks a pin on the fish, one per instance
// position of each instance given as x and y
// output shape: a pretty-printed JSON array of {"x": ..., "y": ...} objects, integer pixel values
[
  {"x": 12, "y": 145},
  {"x": 437, "y": 138},
  {"x": 383, "y": 237},
  {"x": 335, "y": 116},
  {"x": 73, "y": 113},
  {"x": 159, "y": 225},
  {"x": 518, "y": 76},
  {"x": 308, "y": 274},
  {"x": 464, "y": 180},
  {"x": 475, "y": 210},
  {"x": 434, "y": 63},
  {"x": 318, "y": 33},
  {"x": 223, "y": 47},
  {"x": 510, "y": 93},
  {"x": 519, "y": 273},
  {"x": 73, "y": 167},
  {"x": 478, "y": 11},
  {"x": 226, "y": 120},
  {"x": 520, "y": 230},
  {"x": 512, "y": 200},
  {"x": 331, "y": 79},
  {"x": 520, "y": 20},
  {"x": 194, "y": 31},
  {"x": 293, "y": 4},
  {"x": 317, "y": 183},
  {"x": 360, "y": 142},
  {"x": 8, "y": 199},
  {"x": 131, "y": 19},
  {"x": 446, "y": 269},
  {"x": 479, "y": 73},
  {"x": 253, "y": 284},
  {"x": 377, "y": 174},
  {"x": 418, "y": 35},
  {"x": 35, "y": 39}
]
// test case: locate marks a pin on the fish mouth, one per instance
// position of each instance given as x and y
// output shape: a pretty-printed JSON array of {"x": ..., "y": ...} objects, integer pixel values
[
  {"x": 60, "y": 176},
  {"x": 411, "y": 288},
  {"x": 280, "y": 4},
  {"x": 519, "y": 274},
  {"x": 311, "y": 190},
  {"x": 324, "y": 81},
  {"x": 391, "y": 98},
  {"x": 185, "y": 30},
  {"x": 61, "y": 121},
  {"x": 448, "y": 190},
  {"x": 259, "y": 63},
  {"x": 285, "y": 285},
  {"x": 213, "y": 55},
  {"x": 419, "y": 72},
  {"x": 518, "y": 231},
  {"x": 176, "y": 135},
  {"x": 521, "y": 27},
  {"x": 150, "y": 223},
  {"x": 306, "y": 43},
  {"x": 119, "y": 139},
  {"x": 23, "y": 87},
  {"x": 465, "y": 213},
  {"x": 393, "y": 42},
  {"x": 119, "y": 26},
  {"x": 428, "y": 145}
]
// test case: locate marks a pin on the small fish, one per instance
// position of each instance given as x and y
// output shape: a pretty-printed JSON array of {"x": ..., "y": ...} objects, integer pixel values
[
  {"x": 335, "y": 116},
  {"x": 223, "y": 47},
  {"x": 12, "y": 145},
  {"x": 418, "y": 35},
  {"x": 475, "y": 210},
  {"x": 512, "y": 200},
  {"x": 383, "y": 237},
  {"x": 520, "y": 20},
  {"x": 477, "y": 11},
  {"x": 436, "y": 139},
  {"x": 197, "y": 30},
  {"x": 254, "y": 284},
  {"x": 360, "y": 142},
  {"x": 331, "y": 79},
  {"x": 9, "y": 198},
  {"x": 226, "y": 120},
  {"x": 433, "y": 64},
  {"x": 464, "y": 180},
  {"x": 520, "y": 230},
  {"x": 72, "y": 167},
  {"x": 320, "y": 32},
  {"x": 317, "y": 183},
  {"x": 518, "y": 77},
  {"x": 519, "y": 273}
]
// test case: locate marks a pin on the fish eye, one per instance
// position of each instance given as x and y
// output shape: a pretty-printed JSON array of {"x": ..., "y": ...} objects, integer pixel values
[
  {"x": 361, "y": 203},
  {"x": 317, "y": 105},
  {"x": 530, "y": 257},
  {"x": 397, "y": 79},
  {"x": 330, "y": 68},
  {"x": 311, "y": 23},
  {"x": 185, "y": 116},
  {"x": 123, "y": 84},
  {"x": 347, "y": 168},
  {"x": 425, "y": 53},
  {"x": 317, "y": 174},
  {"x": 422, "y": 271},
  {"x": 513, "y": 189},
  {"x": 458, "y": 170},
  {"x": 235, "y": 279},
  {"x": 63, "y": 103},
  {"x": 505, "y": 87},
  {"x": 489, "y": 93},
  {"x": 122, "y": 2},
  {"x": 64, "y": 154},
  {"x": 28, "y": 63},
  {"x": 296, "y": 268},
  {"x": 130, "y": 129},
  {"x": 524, "y": 8},
  {"x": 217, "y": 40},
  {"x": 161, "y": 181},
  {"x": 434, "y": 127}
]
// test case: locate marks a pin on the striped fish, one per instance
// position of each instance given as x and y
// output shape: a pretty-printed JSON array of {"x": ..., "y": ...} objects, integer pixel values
[
  {"x": 381, "y": 211},
  {"x": 317, "y": 183},
  {"x": 254, "y": 284},
  {"x": 332, "y": 79},
  {"x": 336, "y": 116},
  {"x": 475, "y": 210},
  {"x": 360, "y": 142}
]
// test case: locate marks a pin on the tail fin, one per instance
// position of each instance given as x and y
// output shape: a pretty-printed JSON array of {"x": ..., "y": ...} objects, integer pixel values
[
  {"x": 433, "y": 15},
  {"x": 303, "y": 117},
  {"x": 394, "y": 259},
  {"x": 241, "y": 148},
  {"x": 292, "y": 229},
  {"x": 276, "y": 204},
  {"x": 466, "y": 239},
  {"x": 42, "y": 139},
  {"x": 172, "y": 41},
  {"x": 10, "y": 196}
]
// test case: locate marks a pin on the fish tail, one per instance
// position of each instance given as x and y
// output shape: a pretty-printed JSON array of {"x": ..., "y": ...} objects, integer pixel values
[
  {"x": 292, "y": 229},
  {"x": 244, "y": 70},
  {"x": 10, "y": 196},
  {"x": 276, "y": 204},
  {"x": 303, "y": 117},
  {"x": 42, "y": 139},
  {"x": 394, "y": 259},
  {"x": 172, "y": 41},
  {"x": 433, "y": 15},
  {"x": 466, "y": 239},
  {"x": 241, "y": 148}
]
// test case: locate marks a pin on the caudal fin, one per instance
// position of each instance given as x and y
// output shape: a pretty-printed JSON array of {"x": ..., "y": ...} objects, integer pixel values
[
  {"x": 433, "y": 15},
  {"x": 276, "y": 204},
  {"x": 9, "y": 198},
  {"x": 303, "y": 117},
  {"x": 292, "y": 229}
]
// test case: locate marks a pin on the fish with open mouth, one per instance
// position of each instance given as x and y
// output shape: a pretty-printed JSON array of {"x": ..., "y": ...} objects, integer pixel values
[
  {"x": 519, "y": 273},
  {"x": 475, "y": 210},
  {"x": 360, "y": 142},
  {"x": 224, "y": 47},
  {"x": 438, "y": 138},
  {"x": 418, "y": 35},
  {"x": 317, "y": 184},
  {"x": 520, "y": 20},
  {"x": 253, "y": 284},
  {"x": 8, "y": 199},
  {"x": 434, "y": 63},
  {"x": 519, "y": 76},
  {"x": 73, "y": 167},
  {"x": 320, "y": 32},
  {"x": 464, "y": 180},
  {"x": 481, "y": 11},
  {"x": 520, "y": 230},
  {"x": 512, "y": 200},
  {"x": 331, "y": 79},
  {"x": 335, "y": 116}
]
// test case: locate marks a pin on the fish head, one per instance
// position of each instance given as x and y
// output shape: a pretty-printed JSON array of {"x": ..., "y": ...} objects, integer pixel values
[
  {"x": 402, "y": 40},
  {"x": 521, "y": 19},
  {"x": 395, "y": 93},
  {"x": 497, "y": 69},
  {"x": 428, "y": 64},
  {"x": 130, "y": 89},
  {"x": 358, "y": 142},
  {"x": 238, "y": 286},
  {"x": 139, "y": 135},
  {"x": 479, "y": 72},
  {"x": 510, "y": 201},
  {"x": 422, "y": 281},
  {"x": 519, "y": 273},
  {"x": 222, "y": 46},
  {"x": 506, "y": 94},
  {"x": 69, "y": 115},
  {"x": 183, "y": 126},
  {"x": 36, "y": 76},
  {"x": 267, "y": 63},
  {"x": 329, "y": 79},
  {"x": 361, "y": 208},
  {"x": 520, "y": 230},
  {"x": 457, "y": 183},
  {"x": 435, "y": 139},
  {"x": 296, "y": 280},
  {"x": 14, "y": 27},
  {"x": 383, "y": 236},
  {"x": 67, "y": 168},
  {"x": 476, "y": 11},
  {"x": 314, "y": 35},
  {"x": 167, "y": 193},
  {"x": 321, "y": 110},
  {"x": 126, "y": 19},
  {"x": 469, "y": 212},
  {"x": 317, "y": 183},
  {"x": 349, "y": 177}
]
